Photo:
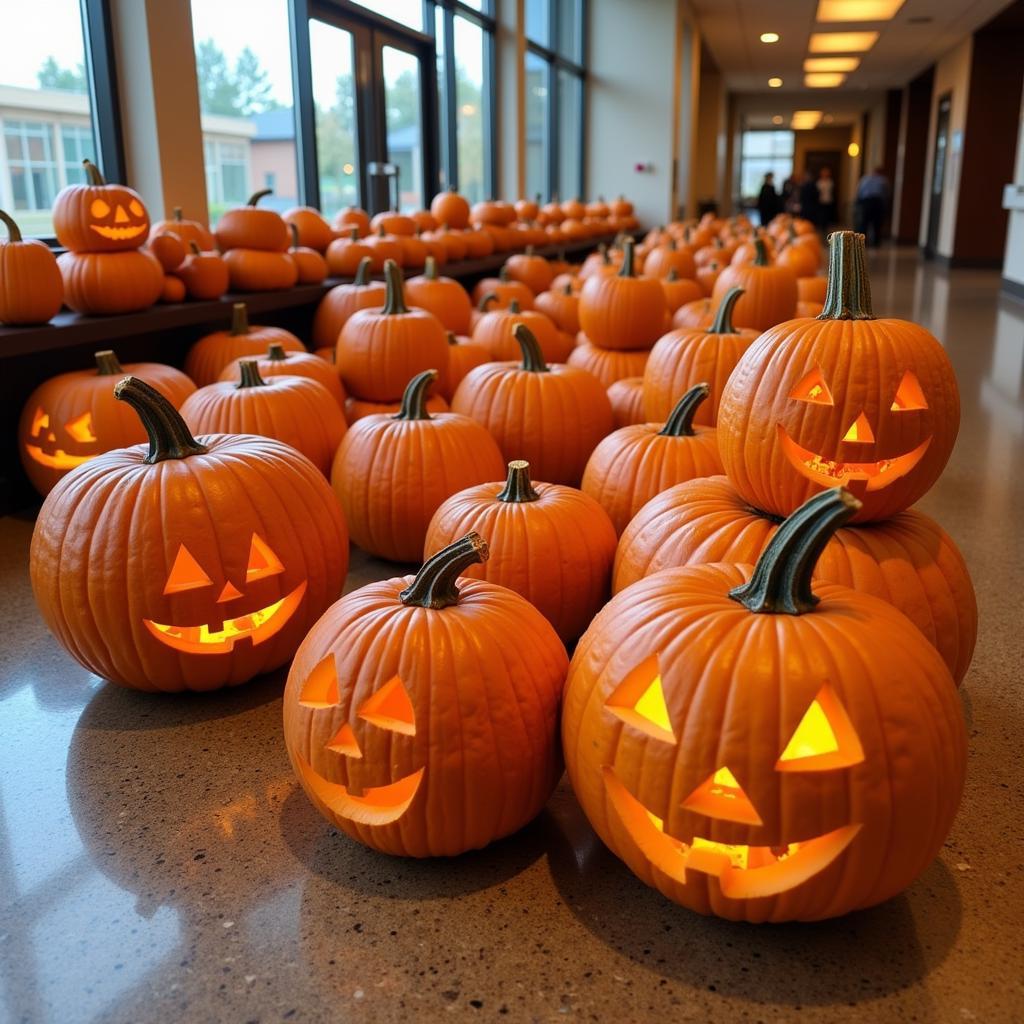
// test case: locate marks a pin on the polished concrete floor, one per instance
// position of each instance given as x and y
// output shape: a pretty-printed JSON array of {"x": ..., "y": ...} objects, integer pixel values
[{"x": 158, "y": 862}]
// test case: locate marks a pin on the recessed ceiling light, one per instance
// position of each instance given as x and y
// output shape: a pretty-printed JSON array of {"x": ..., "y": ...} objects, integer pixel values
[
  {"x": 769, "y": 37},
  {"x": 853, "y": 149},
  {"x": 857, "y": 10},
  {"x": 777, "y": 119},
  {"x": 804, "y": 119},
  {"x": 831, "y": 63},
  {"x": 774, "y": 83},
  {"x": 824, "y": 80},
  {"x": 841, "y": 42}
]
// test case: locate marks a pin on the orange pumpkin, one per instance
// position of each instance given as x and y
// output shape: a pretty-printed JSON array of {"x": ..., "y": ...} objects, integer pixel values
[
  {"x": 173, "y": 289},
  {"x": 528, "y": 209},
  {"x": 391, "y": 222},
  {"x": 529, "y": 527},
  {"x": 464, "y": 355},
  {"x": 678, "y": 291},
  {"x": 627, "y": 398},
  {"x": 204, "y": 274},
  {"x": 345, "y": 254},
  {"x": 31, "y": 288},
  {"x": 707, "y": 275},
  {"x": 279, "y": 361},
  {"x": 532, "y": 270},
  {"x": 562, "y": 306},
  {"x": 357, "y": 409},
  {"x": 342, "y": 301},
  {"x": 442, "y": 296},
  {"x": 174, "y": 591},
  {"x": 378, "y": 682},
  {"x": 443, "y": 454},
  {"x": 663, "y": 258},
  {"x": 257, "y": 270},
  {"x": 699, "y": 313},
  {"x": 110, "y": 283},
  {"x": 251, "y": 227},
  {"x": 310, "y": 266},
  {"x": 607, "y": 364},
  {"x": 769, "y": 292},
  {"x": 188, "y": 231},
  {"x": 908, "y": 561},
  {"x": 352, "y": 217},
  {"x": 504, "y": 290},
  {"x": 551, "y": 416},
  {"x": 811, "y": 289},
  {"x": 97, "y": 217},
  {"x": 313, "y": 231},
  {"x": 633, "y": 464},
  {"x": 384, "y": 247},
  {"x": 168, "y": 249},
  {"x": 494, "y": 331}
]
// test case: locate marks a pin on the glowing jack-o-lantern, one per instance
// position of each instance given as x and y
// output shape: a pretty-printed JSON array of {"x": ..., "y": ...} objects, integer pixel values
[
  {"x": 754, "y": 749},
  {"x": 375, "y": 687},
  {"x": 840, "y": 400},
  {"x": 97, "y": 217}
]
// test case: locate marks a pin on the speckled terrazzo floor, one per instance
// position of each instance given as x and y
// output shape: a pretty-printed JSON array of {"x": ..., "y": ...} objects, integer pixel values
[{"x": 158, "y": 862}]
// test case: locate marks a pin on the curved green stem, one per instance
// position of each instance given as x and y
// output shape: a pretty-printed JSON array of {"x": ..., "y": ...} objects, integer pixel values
[
  {"x": 760, "y": 253},
  {"x": 257, "y": 196},
  {"x": 13, "y": 231},
  {"x": 485, "y": 300},
  {"x": 430, "y": 268},
  {"x": 394, "y": 297},
  {"x": 848, "y": 296},
  {"x": 239, "y": 319},
  {"x": 92, "y": 174},
  {"x": 107, "y": 364},
  {"x": 680, "y": 419},
  {"x": 513, "y": 306},
  {"x": 434, "y": 585},
  {"x": 414, "y": 398},
  {"x": 722, "y": 324},
  {"x": 533, "y": 358},
  {"x": 363, "y": 272},
  {"x": 169, "y": 437},
  {"x": 626, "y": 270},
  {"x": 517, "y": 486},
  {"x": 249, "y": 374}
]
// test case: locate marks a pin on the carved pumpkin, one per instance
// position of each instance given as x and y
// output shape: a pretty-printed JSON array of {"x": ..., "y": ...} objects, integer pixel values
[
  {"x": 843, "y": 399},
  {"x": 188, "y": 231},
  {"x": 908, "y": 560},
  {"x": 185, "y": 564},
  {"x": 278, "y": 361},
  {"x": 314, "y": 231},
  {"x": 769, "y": 291},
  {"x": 342, "y": 301},
  {"x": 298, "y": 411},
  {"x": 376, "y": 684},
  {"x": 529, "y": 527},
  {"x": 438, "y": 456},
  {"x": 607, "y": 364},
  {"x": 97, "y": 217},
  {"x": 31, "y": 288},
  {"x": 204, "y": 274},
  {"x": 379, "y": 350},
  {"x": 345, "y": 254},
  {"x": 754, "y": 749},
  {"x": 442, "y": 296},
  {"x": 73, "y": 417},
  {"x": 551, "y": 416}
]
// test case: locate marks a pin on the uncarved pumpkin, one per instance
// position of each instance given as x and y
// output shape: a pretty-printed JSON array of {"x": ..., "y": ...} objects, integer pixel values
[
  {"x": 314, "y": 232},
  {"x": 31, "y": 287},
  {"x": 607, "y": 364},
  {"x": 442, "y": 296},
  {"x": 464, "y": 355},
  {"x": 769, "y": 291},
  {"x": 342, "y": 301},
  {"x": 278, "y": 361},
  {"x": 627, "y": 398},
  {"x": 110, "y": 283},
  {"x": 204, "y": 274},
  {"x": 252, "y": 227}
]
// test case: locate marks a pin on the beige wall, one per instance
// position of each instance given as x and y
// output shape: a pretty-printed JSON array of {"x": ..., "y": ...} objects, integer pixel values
[
  {"x": 1013, "y": 266},
  {"x": 277, "y": 159},
  {"x": 709, "y": 152}
]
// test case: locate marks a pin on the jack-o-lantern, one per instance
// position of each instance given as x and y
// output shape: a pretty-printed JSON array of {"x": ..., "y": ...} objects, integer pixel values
[
  {"x": 844, "y": 399},
  {"x": 377, "y": 686},
  {"x": 759, "y": 751},
  {"x": 97, "y": 217},
  {"x": 187, "y": 564},
  {"x": 73, "y": 417}
]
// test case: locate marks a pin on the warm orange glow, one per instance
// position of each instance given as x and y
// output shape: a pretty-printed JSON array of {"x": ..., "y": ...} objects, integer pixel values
[
  {"x": 860, "y": 431},
  {"x": 824, "y": 739},
  {"x": 909, "y": 395},
  {"x": 58, "y": 459},
  {"x": 853, "y": 149},
  {"x": 80, "y": 428},
  {"x": 857, "y": 10},
  {"x": 813, "y": 736},
  {"x": 774, "y": 83},
  {"x": 99, "y": 208},
  {"x": 721, "y": 796},
  {"x": 841, "y": 42},
  {"x": 228, "y": 593},
  {"x": 320, "y": 690},
  {"x": 824, "y": 80},
  {"x": 390, "y": 708},
  {"x": 345, "y": 742},
  {"x": 812, "y": 389},
  {"x": 379, "y": 805},
  {"x": 639, "y": 700},
  {"x": 186, "y": 573},
  {"x": 805, "y": 119},
  {"x": 262, "y": 561},
  {"x": 831, "y": 63}
]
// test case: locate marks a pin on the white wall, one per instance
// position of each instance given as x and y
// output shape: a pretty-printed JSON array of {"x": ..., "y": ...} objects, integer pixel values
[
  {"x": 952, "y": 75},
  {"x": 1013, "y": 265}
]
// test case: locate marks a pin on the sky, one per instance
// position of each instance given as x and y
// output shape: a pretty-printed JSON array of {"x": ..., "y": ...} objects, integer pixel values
[{"x": 53, "y": 27}]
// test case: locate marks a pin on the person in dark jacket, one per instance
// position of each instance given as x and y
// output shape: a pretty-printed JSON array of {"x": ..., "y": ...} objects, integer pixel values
[
  {"x": 768, "y": 199},
  {"x": 872, "y": 204},
  {"x": 809, "y": 198}
]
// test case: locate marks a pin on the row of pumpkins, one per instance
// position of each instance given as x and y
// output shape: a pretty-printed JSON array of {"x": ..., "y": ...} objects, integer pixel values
[
  {"x": 117, "y": 262},
  {"x": 763, "y": 721}
]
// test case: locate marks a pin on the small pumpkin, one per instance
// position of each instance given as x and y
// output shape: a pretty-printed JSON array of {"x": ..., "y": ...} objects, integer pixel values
[
  {"x": 253, "y": 227},
  {"x": 551, "y": 416},
  {"x": 204, "y": 274},
  {"x": 168, "y": 249},
  {"x": 528, "y": 209},
  {"x": 31, "y": 287},
  {"x": 442, "y": 296},
  {"x": 707, "y": 275},
  {"x": 439, "y": 455},
  {"x": 380, "y": 350},
  {"x": 188, "y": 231},
  {"x": 97, "y": 217},
  {"x": 504, "y": 290},
  {"x": 697, "y": 314},
  {"x": 279, "y": 361},
  {"x": 679, "y": 290},
  {"x": 342, "y": 301},
  {"x": 186, "y": 564},
  {"x": 313, "y": 231},
  {"x": 297, "y": 411},
  {"x": 811, "y": 289},
  {"x": 530, "y": 527},
  {"x": 110, "y": 283},
  {"x": 495, "y": 332},
  {"x": 310, "y": 266},
  {"x": 384, "y": 247},
  {"x": 731, "y": 734},
  {"x": 346, "y": 253},
  {"x": 633, "y": 464},
  {"x": 391, "y": 222},
  {"x": 352, "y": 217},
  {"x": 663, "y": 258},
  {"x": 357, "y": 409},
  {"x": 607, "y": 364},
  {"x": 562, "y": 306},
  {"x": 257, "y": 270},
  {"x": 173, "y": 290},
  {"x": 769, "y": 291},
  {"x": 530, "y": 269},
  {"x": 379, "y": 680},
  {"x": 627, "y": 398},
  {"x": 464, "y": 355}
]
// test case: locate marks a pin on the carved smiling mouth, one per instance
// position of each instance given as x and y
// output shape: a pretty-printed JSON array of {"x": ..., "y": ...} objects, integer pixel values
[
  {"x": 58, "y": 459},
  {"x": 831, "y": 474},
  {"x": 743, "y": 872},
  {"x": 379, "y": 805},
  {"x": 118, "y": 234},
  {"x": 259, "y": 625}
]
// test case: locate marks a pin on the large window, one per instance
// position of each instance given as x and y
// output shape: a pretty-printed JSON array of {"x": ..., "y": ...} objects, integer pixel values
[
  {"x": 762, "y": 152},
  {"x": 555, "y": 88}
]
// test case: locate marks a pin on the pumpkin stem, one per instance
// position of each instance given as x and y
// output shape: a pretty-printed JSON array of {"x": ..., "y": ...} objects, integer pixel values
[
  {"x": 671, "y": 246},
  {"x": 169, "y": 437},
  {"x": 680, "y": 419},
  {"x": 194, "y": 246},
  {"x": 176, "y": 214},
  {"x": 672, "y": 275},
  {"x": 452, "y": 340},
  {"x": 13, "y": 231},
  {"x": 627, "y": 259},
  {"x": 353, "y": 235},
  {"x": 239, "y": 319},
  {"x": 92, "y": 173},
  {"x": 722, "y": 323},
  {"x": 294, "y": 232},
  {"x": 760, "y": 253},
  {"x": 249, "y": 374},
  {"x": 394, "y": 298},
  {"x": 430, "y": 268},
  {"x": 517, "y": 486},
  {"x": 276, "y": 352},
  {"x": 414, "y": 398},
  {"x": 503, "y": 274},
  {"x": 781, "y": 582},
  {"x": 533, "y": 358},
  {"x": 362, "y": 272},
  {"x": 434, "y": 585},
  {"x": 257, "y": 196},
  {"x": 513, "y": 306},
  {"x": 107, "y": 364},
  {"x": 529, "y": 250},
  {"x": 485, "y": 300},
  {"x": 567, "y": 290},
  {"x": 849, "y": 289}
]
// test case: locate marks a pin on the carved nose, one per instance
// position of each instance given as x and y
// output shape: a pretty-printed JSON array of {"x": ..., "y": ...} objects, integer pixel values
[
  {"x": 229, "y": 593},
  {"x": 120, "y": 217},
  {"x": 721, "y": 796},
  {"x": 860, "y": 430}
]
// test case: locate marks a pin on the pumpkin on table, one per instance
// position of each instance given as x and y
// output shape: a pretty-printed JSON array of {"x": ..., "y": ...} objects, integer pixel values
[
  {"x": 450, "y": 208},
  {"x": 627, "y": 398},
  {"x": 504, "y": 290},
  {"x": 442, "y": 296},
  {"x": 495, "y": 331},
  {"x": 532, "y": 270},
  {"x": 313, "y": 231},
  {"x": 278, "y": 361},
  {"x": 298, "y": 411},
  {"x": 464, "y": 354},
  {"x": 73, "y": 417},
  {"x": 345, "y": 254},
  {"x": 204, "y": 274},
  {"x": 255, "y": 243},
  {"x": 633, "y": 464},
  {"x": 375, "y": 686},
  {"x": 752, "y": 747},
  {"x": 530, "y": 527},
  {"x": 663, "y": 259},
  {"x": 310, "y": 266},
  {"x": 103, "y": 227},
  {"x": 169, "y": 250},
  {"x": 31, "y": 287},
  {"x": 551, "y": 416},
  {"x": 608, "y": 365},
  {"x": 187, "y": 230},
  {"x": 349, "y": 217},
  {"x": 562, "y": 306},
  {"x": 769, "y": 291},
  {"x": 871, "y": 404},
  {"x": 391, "y": 472},
  {"x": 908, "y": 560},
  {"x": 187, "y": 564},
  {"x": 342, "y": 301}
]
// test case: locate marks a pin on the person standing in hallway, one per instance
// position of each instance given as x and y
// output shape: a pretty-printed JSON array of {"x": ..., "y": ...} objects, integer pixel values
[
  {"x": 826, "y": 186},
  {"x": 767, "y": 200},
  {"x": 872, "y": 205},
  {"x": 808, "y": 195}
]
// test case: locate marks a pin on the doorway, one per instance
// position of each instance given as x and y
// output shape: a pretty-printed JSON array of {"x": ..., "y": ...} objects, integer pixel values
[
  {"x": 814, "y": 161},
  {"x": 938, "y": 174}
]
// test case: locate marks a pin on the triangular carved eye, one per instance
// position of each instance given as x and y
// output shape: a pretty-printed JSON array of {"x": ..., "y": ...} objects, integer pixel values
[
  {"x": 40, "y": 422},
  {"x": 80, "y": 428},
  {"x": 320, "y": 690},
  {"x": 639, "y": 700},
  {"x": 824, "y": 738},
  {"x": 262, "y": 561},
  {"x": 909, "y": 395},
  {"x": 390, "y": 708},
  {"x": 186, "y": 573},
  {"x": 813, "y": 389}
]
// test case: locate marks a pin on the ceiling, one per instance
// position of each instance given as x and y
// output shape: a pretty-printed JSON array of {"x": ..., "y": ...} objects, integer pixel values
[{"x": 905, "y": 46}]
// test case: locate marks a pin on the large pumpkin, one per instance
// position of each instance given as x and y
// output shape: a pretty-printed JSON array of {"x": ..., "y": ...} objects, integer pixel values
[
  {"x": 769, "y": 291},
  {"x": 187, "y": 564},
  {"x": 607, "y": 364},
  {"x": 551, "y": 416},
  {"x": 759, "y": 750},
  {"x": 278, "y": 361},
  {"x": 110, "y": 283},
  {"x": 421, "y": 713},
  {"x": 253, "y": 227},
  {"x": 908, "y": 560},
  {"x": 31, "y": 288},
  {"x": 391, "y": 473},
  {"x": 342, "y": 301},
  {"x": 73, "y": 417},
  {"x": 633, "y": 464},
  {"x": 442, "y": 296},
  {"x": 97, "y": 217},
  {"x": 464, "y": 355},
  {"x": 529, "y": 528},
  {"x": 843, "y": 399},
  {"x": 495, "y": 331}
]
